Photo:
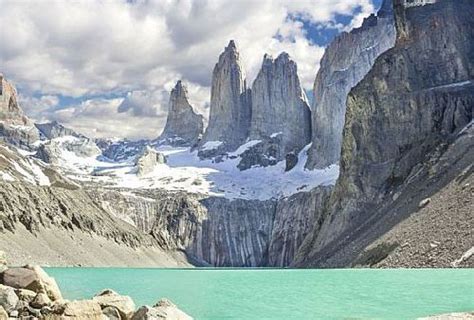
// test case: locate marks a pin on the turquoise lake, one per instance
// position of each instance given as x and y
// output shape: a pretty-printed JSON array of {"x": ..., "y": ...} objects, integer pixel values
[{"x": 283, "y": 293}]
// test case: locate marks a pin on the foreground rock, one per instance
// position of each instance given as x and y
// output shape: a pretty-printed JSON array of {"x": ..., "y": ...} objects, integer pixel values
[
  {"x": 29, "y": 293},
  {"x": 183, "y": 125}
]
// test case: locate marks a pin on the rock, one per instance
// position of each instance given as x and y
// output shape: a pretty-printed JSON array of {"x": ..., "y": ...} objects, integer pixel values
[
  {"x": 110, "y": 298},
  {"x": 183, "y": 125},
  {"x": 32, "y": 278},
  {"x": 77, "y": 310},
  {"x": 230, "y": 109},
  {"x": 147, "y": 162},
  {"x": 41, "y": 300},
  {"x": 14, "y": 314},
  {"x": 423, "y": 203},
  {"x": 25, "y": 295},
  {"x": 8, "y": 298},
  {"x": 163, "y": 309},
  {"x": 280, "y": 106},
  {"x": 15, "y": 127},
  {"x": 291, "y": 161},
  {"x": 52, "y": 130},
  {"x": 3, "y": 261},
  {"x": 53, "y": 150},
  {"x": 3, "y": 313},
  {"x": 409, "y": 109},
  {"x": 346, "y": 61},
  {"x": 112, "y": 313}
]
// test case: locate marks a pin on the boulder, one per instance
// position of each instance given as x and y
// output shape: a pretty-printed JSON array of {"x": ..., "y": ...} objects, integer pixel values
[
  {"x": 110, "y": 298},
  {"x": 25, "y": 295},
  {"x": 32, "y": 278},
  {"x": 163, "y": 309},
  {"x": 76, "y": 310},
  {"x": 41, "y": 300},
  {"x": 3, "y": 313},
  {"x": 8, "y": 298},
  {"x": 111, "y": 313}
]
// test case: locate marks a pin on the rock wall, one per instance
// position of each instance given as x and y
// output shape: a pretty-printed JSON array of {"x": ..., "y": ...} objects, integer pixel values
[
  {"x": 279, "y": 105},
  {"x": 416, "y": 99},
  {"x": 230, "y": 110},
  {"x": 183, "y": 126},
  {"x": 345, "y": 62}
]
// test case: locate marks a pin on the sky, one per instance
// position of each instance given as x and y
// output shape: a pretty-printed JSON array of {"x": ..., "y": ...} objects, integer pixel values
[{"x": 105, "y": 67}]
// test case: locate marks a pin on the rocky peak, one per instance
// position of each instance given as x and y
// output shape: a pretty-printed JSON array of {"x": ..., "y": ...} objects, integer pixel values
[
  {"x": 52, "y": 130},
  {"x": 279, "y": 105},
  {"x": 183, "y": 125},
  {"x": 230, "y": 111},
  {"x": 346, "y": 61}
]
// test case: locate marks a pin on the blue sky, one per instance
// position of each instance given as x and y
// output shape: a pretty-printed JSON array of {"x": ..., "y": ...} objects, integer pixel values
[{"x": 77, "y": 62}]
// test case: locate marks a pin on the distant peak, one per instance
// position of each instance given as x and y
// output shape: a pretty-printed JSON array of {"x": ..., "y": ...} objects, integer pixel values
[{"x": 231, "y": 44}]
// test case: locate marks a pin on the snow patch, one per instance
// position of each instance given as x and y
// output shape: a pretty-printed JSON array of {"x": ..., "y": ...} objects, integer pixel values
[{"x": 211, "y": 145}]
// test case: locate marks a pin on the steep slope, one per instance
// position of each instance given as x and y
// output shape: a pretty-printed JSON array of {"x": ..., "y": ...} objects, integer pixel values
[
  {"x": 15, "y": 127},
  {"x": 345, "y": 62},
  {"x": 279, "y": 105},
  {"x": 402, "y": 119},
  {"x": 229, "y": 118},
  {"x": 183, "y": 125}
]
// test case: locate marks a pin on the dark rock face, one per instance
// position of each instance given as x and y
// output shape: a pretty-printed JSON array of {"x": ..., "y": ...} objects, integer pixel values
[
  {"x": 412, "y": 104},
  {"x": 15, "y": 127},
  {"x": 121, "y": 150},
  {"x": 346, "y": 61},
  {"x": 230, "y": 110},
  {"x": 183, "y": 126},
  {"x": 280, "y": 106}
]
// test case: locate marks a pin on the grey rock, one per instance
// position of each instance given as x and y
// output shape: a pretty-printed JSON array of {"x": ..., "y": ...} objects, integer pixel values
[
  {"x": 8, "y": 298},
  {"x": 230, "y": 109},
  {"x": 110, "y": 298},
  {"x": 147, "y": 162},
  {"x": 52, "y": 130},
  {"x": 15, "y": 127},
  {"x": 291, "y": 160},
  {"x": 111, "y": 313},
  {"x": 121, "y": 150},
  {"x": 280, "y": 106},
  {"x": 346, "y": 61},
  {"x": 401, "y": 121},
  {"x": 183, "y": 125}
]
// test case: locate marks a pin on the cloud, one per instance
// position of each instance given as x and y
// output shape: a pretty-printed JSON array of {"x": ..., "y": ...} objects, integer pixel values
[{"x": 139, "y": 49}]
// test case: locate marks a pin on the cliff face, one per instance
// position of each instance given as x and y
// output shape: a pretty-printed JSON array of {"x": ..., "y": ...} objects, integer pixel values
[
  {"x": 404, "y": 114},
  {"x": 183, "y": 126},
  {"x": 279, "y": 105},
  {"x": 15, "y": 127},
  {"x": 345, "y": 62},
  {"x": 230, "y": 109}
]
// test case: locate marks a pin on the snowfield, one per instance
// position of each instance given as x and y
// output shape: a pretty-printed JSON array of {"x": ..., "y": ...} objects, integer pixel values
[{"x": 185, "y": 171}]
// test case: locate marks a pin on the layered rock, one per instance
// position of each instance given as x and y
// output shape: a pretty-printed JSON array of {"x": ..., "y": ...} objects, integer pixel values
[
  {"x": 15, "y": 127},
  {"x": 230, "y": 109},
  {"x": 183, "y": 125},
  {"x": 401, "y": 122},
  {"x": 346, "y": 61}
]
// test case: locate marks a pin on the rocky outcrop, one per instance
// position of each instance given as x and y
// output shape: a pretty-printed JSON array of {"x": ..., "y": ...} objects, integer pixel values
[
  {"x": 346, "y": 61},
  {"x": 52, "y": 130},
  {"x": 148, "y": 161},
  {"x": 56, "y": 151},
  {"x": 280, "y": 106},
  {"x": 230, "y": 110},
  {"x": 121, "y": 150},
  {"x": 402, "y": 120},
  {"x": 15, "y": 127},
  {"x": 183, "y": 125},
  {"x": 163, "y": 309}
]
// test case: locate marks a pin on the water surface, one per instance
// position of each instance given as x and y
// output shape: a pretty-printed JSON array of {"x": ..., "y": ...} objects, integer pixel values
[{"x": 283, "y": 293}]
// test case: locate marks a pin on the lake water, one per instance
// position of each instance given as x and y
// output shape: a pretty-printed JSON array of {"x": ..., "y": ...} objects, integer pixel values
[{"x": 283, "y": 293}]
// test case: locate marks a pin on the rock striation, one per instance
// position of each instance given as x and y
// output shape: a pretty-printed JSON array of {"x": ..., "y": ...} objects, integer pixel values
[
  {"x": 346, "y": 61},
  {"x": 402, "y": 120},
  {"x": 184, "y": 126},
  {"x": 15, "y": 127},
  {"x": 281, "y": 118},
  {"x": 230, "y": 109},
  {"x": 279, "y": 105}
]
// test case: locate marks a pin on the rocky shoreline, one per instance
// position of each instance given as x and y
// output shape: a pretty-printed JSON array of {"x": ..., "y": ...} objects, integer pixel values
[{"x": 28, "y": 292}]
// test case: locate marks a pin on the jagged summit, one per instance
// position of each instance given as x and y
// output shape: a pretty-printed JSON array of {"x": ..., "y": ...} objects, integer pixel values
[
  {"x": 183, "y": 125},
  {"x": 230, "y": 109}
]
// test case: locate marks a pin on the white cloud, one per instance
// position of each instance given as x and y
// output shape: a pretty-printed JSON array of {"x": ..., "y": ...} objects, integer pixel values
[{"x": 93, "y": 48}]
